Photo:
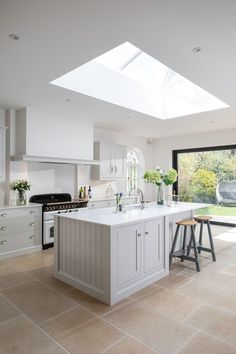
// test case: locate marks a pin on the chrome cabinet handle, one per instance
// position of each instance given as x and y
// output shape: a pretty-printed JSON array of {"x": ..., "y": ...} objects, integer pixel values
[
  {"x": 3, "y": 228},
  {"x": 137, "y": 234},
  {"x": 112, "y": 169},
  {"x": 32, "y": 212},
  {"x": 146, "y": 232},
  {"x": 31, "y": 237},
  {"x": 3, "y": 242},
  {"x": 3, "y": 215},
  {"x": 31, "y": 224}
]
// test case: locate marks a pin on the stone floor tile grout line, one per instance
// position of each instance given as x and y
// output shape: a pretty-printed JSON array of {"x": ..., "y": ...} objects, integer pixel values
[
  {"x": 116, "y": 342},
  {"x": 191, "y": 337}
]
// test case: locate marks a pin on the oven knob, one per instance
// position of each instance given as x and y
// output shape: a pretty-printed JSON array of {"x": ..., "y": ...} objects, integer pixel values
[{"x": 70, "y": 211}]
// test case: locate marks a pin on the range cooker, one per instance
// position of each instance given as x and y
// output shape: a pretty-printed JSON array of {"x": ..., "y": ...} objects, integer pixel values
[{"x": 53, "y": 204}]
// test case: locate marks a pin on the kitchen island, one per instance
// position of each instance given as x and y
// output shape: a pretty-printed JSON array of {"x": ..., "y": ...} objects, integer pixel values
[{"x": 111, "y": 255}]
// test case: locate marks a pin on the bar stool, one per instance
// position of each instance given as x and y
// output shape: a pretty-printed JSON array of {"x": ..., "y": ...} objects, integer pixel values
[
  {"x": 184, "y": 253},
  {"x": 205, "y": 220}
]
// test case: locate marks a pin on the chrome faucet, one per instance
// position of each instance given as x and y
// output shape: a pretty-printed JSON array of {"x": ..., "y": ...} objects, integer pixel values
[{"x": 137, "y": 190}]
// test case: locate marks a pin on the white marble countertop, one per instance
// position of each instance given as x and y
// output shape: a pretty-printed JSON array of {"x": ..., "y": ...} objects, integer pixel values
[
  {"x": 108, "y": 216},
  {"x": 14, "y": 206}
]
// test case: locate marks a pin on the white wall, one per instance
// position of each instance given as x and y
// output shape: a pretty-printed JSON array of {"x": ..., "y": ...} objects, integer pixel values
[{"x": 3, "y": 179}]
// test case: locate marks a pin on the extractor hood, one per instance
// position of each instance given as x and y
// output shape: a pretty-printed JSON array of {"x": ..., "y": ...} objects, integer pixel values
[{"x": 58, "y": 160}]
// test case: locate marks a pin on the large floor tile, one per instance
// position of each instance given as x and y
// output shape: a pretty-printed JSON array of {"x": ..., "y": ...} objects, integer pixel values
[
  {"x": 129, "y": 345},
  {"x": 22, "y": 336},
  {"x": 170, "y": 303},
  {"x": 38, "y": 301},
  {"x": 217, "y": 279},
  {"x": 45, "y": 275},
  {"x": 7, "y": 311},
  {"x": 68, "y": 322},
  {"x": 173, "y": 281},
  {"x": 13, "y": 279},
  {"x": 159, "y": 331},
  {"x": 215, "y": 321},
  {"x": 230, "y": 269},
  {"x": 90, "y": 302},
  {"x": 211, "y": 295},
  {"x": 203, "y": 343},
  {"x": 93, "y": 338},
  {"x": 144, "y": 292}
]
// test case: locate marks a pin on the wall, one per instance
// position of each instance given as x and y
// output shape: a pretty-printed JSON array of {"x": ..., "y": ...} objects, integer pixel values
[
  {"x": 106, "y": 136},
  {"x": 3, "y": 179},
  {"x": 56, "y": 178}
]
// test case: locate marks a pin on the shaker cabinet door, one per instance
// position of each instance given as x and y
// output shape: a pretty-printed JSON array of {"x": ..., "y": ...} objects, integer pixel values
[
  {"x": 153, "y": 245},
  {"x": 106, "y": 162},
  {"x": 128, "y": 253}
]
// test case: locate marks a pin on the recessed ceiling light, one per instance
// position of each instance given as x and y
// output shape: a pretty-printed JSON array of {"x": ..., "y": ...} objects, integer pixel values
[
  {"x": 14, "y": 36},
  {"x": 130, "y": 78},
  {"x": 197, "y": 49}
]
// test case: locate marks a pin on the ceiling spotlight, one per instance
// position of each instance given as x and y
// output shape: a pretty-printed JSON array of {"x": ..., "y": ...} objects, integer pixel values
[
  {"x": 197, "y": 49},
  {"x": 14, "y": 36}
]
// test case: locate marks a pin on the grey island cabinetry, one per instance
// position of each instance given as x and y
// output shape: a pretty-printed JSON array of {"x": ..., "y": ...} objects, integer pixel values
[{"x": 110, "y": 255}]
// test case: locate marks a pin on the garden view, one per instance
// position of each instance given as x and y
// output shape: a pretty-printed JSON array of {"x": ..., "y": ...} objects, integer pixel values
[{"x": 209, "y": 177}]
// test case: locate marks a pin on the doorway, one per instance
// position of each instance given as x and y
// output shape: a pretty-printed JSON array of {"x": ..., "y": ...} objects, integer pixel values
[{"x": 208, "y": 175}]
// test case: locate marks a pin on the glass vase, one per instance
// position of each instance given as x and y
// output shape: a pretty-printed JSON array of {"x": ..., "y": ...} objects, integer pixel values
[
  {"x": 21, "y": 198},
  {"x": 160, "y": 195}
]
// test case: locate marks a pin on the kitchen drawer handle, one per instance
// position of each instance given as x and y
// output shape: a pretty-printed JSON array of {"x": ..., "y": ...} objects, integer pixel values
[
  {"x": 146, "y": 232},
  {"x": 31, "y": 237},
  {"x": 32, "y": 211},
  {"x": 31, "y": 224},
  {"x": 3, "y": 242},
  {"x": 3, "y": 228},
  {"x": 3, "y": 215},
  {"x": 115, "y": 169}
]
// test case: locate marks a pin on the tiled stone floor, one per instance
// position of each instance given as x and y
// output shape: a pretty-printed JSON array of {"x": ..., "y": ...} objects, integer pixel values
[{"x": 187, "y": 312}]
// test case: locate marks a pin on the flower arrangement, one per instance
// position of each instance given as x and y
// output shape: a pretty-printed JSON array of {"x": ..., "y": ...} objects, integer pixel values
[
  {"x": 158, "y": 177},
  {"x": 20, "y": 185}
]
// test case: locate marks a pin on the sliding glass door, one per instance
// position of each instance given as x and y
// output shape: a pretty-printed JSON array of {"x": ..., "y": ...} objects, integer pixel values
[{"x": 208, "y": 175}]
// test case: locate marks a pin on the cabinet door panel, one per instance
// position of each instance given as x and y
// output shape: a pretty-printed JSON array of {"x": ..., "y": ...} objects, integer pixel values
[
  {"x": 119, "y": 161},
  {"x": 153, "y": 245},
  {"x": 106, "y": 156},
  {"x": 128, "y": 253}
]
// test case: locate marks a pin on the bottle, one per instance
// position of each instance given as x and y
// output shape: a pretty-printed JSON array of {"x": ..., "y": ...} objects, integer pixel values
[
  {"x": 90, "y": 192},
  {"x": 81, "y": 193},
  {"x": 85, "y": 192}
]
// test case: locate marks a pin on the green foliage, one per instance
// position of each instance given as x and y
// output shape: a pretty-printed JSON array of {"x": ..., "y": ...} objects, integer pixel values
[
  {"x": 157, "y": 176},
  {"x": 204, "y": 184},
  {"x": 20, "y": 185},
  {"x": 221, "y": 165}
]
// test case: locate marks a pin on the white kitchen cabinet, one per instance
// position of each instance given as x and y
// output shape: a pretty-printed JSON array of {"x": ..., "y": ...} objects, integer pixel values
[
  {"x": 128, "y": 253},
  {"x": 153, "y": 245},
  {"x": 112, "y": 161},
  {"x": 20, "y": 230}
]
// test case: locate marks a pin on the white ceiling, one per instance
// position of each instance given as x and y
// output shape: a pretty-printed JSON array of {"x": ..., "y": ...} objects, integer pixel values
[{"x": 57, "y": 36}]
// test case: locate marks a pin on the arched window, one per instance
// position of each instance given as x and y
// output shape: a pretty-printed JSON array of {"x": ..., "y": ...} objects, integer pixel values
[{"x": 135, "y": 169}]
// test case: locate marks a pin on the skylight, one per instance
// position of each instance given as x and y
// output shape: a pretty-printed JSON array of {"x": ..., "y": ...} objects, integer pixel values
[{"x": 128, "y": 77}]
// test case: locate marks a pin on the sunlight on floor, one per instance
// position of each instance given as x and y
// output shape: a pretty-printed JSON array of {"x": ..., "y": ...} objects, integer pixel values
[{"x": 229, "y": 236}]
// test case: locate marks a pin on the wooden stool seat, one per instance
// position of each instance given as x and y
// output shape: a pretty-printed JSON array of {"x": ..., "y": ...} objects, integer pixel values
[
  {"x": 186, "y": 222},
  {"x": 205, "y": 220},
  {"x": 202, "y": 218},
  {"x": 184, "y": 252}
]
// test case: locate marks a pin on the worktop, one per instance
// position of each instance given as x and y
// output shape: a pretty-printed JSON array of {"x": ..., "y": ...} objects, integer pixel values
[
  {"x": 14, "y": 206},
  {"x": 109, "y": 217},
  {"x": 111, "y": 255}
]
